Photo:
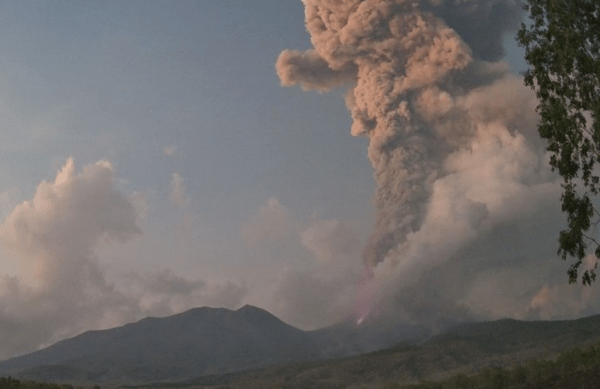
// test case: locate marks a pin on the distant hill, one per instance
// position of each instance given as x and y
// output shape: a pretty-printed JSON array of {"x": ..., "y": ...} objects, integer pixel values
[{"x": 199, "y": 342}]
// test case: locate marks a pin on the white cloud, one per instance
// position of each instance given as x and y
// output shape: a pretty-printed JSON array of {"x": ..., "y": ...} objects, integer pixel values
[
  {"x": 56, "y": 237},
  {"x": 329, "y": 240},
  {"x": 164, "y": 292},
  {"x": 60, "y": 288},
  {"x": 272, "y": 221},
  {"x": 177, "y": 192},
  {"x": 8, "y": 201},
  {"x": 139, "y": 200}
]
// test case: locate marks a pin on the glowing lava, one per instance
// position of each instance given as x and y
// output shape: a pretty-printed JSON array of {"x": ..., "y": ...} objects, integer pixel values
[{"x": 365, "y": 296}]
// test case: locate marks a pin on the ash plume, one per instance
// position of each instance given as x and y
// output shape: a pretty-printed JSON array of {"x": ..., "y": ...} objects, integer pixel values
[
  {"x": 401, "y": 52},
  {"x": 424, "y": 88}
]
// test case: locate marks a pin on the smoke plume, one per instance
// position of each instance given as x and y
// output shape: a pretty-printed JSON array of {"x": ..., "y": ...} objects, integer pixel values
[
  {"x": 453, "y": 146},
  {"x": 400, "y": 54}
]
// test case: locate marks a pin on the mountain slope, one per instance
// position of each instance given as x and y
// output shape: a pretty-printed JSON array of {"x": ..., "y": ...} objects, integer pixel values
[
  {"x": 213, "y": 346},
  {"x": 346, "y": 338},
  {"x": 197, "y": 342},
  {"x": 465, "y": 349}
]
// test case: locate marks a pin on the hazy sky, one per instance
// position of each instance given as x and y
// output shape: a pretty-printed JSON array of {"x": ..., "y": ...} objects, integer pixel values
[{"x": 152, "y": 162}]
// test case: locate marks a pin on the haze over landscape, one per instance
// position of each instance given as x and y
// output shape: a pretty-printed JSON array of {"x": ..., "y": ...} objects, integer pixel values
[{"x": 152, "y": 162}]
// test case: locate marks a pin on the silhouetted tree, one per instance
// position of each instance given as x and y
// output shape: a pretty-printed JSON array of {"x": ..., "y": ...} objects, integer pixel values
[{"x": 562, "y": 47}]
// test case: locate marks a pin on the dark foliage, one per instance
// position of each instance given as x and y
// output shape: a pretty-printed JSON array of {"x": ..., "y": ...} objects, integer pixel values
[
  {"x": 563, "y": 50},
  {"x": 574, "y": 368},
  {"x": 11, "y": 383}
]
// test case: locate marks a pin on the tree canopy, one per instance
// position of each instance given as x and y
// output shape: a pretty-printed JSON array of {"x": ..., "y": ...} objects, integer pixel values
[{"x": 562, "y": 46}]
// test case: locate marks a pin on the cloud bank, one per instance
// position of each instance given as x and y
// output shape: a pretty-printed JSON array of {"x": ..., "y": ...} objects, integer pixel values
[
  {"x": 312, "y": 266},
  {"x": 55, "y": 237},
  {"x": 329, "y": 240},
  {"x": 271, "y": 222},
  {"x": 60, "y": 288}
]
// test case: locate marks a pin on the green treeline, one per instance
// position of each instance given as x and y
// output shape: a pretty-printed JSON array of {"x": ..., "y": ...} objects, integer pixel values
[
  {"x": 11, "y": 383},
  {"x": 574, "y": 368}
]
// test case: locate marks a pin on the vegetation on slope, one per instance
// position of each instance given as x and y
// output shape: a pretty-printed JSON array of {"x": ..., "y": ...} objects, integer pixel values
[
  {"x": 468, "y": 360},
  {"x": 11, "y": 383},
  {"x": 578, "y": 367},
  {"x": 465, "y": 353}
]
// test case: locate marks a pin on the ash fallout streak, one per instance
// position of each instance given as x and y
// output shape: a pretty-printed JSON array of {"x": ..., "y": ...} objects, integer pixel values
[{"x": 452, "y": 142}]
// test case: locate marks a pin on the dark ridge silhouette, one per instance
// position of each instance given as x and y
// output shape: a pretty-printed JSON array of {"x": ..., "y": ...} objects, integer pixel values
[
  {"x": 220, "y": 345},
  {"x": 197, "y": 342}
]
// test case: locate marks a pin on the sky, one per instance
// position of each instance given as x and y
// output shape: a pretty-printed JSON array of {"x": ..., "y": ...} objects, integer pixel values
[{"x": 377, "y": 159}]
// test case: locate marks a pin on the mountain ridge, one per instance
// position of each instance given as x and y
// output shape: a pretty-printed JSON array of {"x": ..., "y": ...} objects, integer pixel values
[
  {"x": 217, "y": 343},
  {"x": 463, "y": 349},
  {"x": 203, "y": 340}
]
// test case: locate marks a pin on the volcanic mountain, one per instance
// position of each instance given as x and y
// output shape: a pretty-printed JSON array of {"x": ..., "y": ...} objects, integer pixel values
[
  {"x": 206, "y": 345},
  {"x": 197, "y": 342}
]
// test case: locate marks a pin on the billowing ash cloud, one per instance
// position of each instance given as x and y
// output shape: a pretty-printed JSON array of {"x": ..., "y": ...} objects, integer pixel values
[
  {"x": 481, "y": 24},
  {"x": 454, "y": 149},
  {"x": 311, "y": 71},
  {"x": 397, "y": 51}
]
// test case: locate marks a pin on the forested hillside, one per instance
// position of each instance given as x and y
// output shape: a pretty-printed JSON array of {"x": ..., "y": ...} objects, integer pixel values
[
  {"x": 577, "y": 367},
  {"x": 459, "y": 359},
  {"x": 11, "y": 383},
  {"x": 574, "y": 368}
]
